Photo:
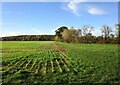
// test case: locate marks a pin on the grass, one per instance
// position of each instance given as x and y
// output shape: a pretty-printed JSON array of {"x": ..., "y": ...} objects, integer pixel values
[{"x": 32, "y": 62}]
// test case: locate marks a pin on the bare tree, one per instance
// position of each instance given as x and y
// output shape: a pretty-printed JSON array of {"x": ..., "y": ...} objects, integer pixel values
[
  {"x": 106, "y": 31},
  {"x": 78, "y": 32},
  {"x": 86, "y": 30},
  {"x": 118, "y": 32}
]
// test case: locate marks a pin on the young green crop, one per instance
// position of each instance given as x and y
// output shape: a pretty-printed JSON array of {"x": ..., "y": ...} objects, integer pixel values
[{"x": 36, "y": 62}]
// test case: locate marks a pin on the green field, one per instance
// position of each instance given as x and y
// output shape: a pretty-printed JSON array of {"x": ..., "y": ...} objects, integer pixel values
[{"x": 29, "y": 62}]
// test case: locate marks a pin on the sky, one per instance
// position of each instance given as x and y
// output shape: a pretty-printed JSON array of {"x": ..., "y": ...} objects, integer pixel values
[{"x": 37, "y": 18}]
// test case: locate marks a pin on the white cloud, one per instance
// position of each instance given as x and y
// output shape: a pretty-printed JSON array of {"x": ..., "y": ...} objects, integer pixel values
[
  {"x": 9, "y": 34},
  {"x": 16, "y": 33},
  {"x": 96, "y": 32},
  {"x": 33, "y": 31},
  {"x": 96, "y": 11},
  {"x": 36, "y": 30},
  {"x": 53, "y": 30},
  {"x": 74, "y": 6}
]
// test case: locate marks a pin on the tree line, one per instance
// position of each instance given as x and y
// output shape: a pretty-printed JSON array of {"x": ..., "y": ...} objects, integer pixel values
[
  {"x": 72, "y": 35},
  {"x": 84, "y": 35},
  {"x": 29, "y": 38}
]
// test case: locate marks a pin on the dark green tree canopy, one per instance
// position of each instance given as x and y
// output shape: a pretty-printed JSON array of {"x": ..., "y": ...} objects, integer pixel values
[{"x": 60, "y": 30}]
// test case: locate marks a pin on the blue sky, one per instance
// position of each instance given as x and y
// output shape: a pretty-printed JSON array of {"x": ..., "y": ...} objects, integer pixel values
[{"x": 38, "y": 18}]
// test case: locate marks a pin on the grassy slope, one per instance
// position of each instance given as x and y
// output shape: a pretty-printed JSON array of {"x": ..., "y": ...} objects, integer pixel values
[{"x": 86, "y": 62}]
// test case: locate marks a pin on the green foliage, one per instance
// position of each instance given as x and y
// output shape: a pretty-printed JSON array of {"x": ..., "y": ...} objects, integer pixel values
[{"x": 57, "y": 38}]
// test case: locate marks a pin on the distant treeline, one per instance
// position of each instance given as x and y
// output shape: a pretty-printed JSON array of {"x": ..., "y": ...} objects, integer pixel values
[
  {"x": 29, "y": 38},
  {"x": 72, "y": 35},
  {"x": 84, "y": 35}
]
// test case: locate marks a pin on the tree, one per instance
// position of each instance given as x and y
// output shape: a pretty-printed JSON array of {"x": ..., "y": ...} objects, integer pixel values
[
  {"x": 106, "y": 31},
  {"x": 60, "y": 30},
  {"x": 113, "y": 40},
  {"x": 78, "y": 32},
  {"x": 99, "y": 39},
  {"x": 86, "y": 30},
  {"x": 57, "y": 38},
  {"x": 118, "y": 33},
  {"x": 71, "y": 35},
  {"x": 68, "y": 35}
]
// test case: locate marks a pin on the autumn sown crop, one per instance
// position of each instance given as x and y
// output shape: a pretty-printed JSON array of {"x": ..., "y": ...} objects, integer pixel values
[{"x": 35, "y": 62}]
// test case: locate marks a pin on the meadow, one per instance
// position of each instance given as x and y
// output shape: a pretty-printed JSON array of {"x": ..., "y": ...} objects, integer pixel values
[{"x": 36, "y": 62}]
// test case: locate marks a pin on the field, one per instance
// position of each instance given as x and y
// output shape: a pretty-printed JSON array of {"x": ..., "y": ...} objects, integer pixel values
[{"x": 29, "y": 62}]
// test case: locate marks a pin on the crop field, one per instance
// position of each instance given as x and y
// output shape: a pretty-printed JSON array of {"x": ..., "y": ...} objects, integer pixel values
[{"x": 36, "y": 62}]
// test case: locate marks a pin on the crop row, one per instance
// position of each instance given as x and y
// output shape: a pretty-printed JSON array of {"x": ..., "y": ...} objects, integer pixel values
[{"x": 51, "y": 61}]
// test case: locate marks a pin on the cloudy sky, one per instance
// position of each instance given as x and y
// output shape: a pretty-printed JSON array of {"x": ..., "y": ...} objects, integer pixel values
[{"x": 19, "y": 18}]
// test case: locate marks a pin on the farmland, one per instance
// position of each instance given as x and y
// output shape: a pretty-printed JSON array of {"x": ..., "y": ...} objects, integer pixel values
[{"x": 28, "y": 62}]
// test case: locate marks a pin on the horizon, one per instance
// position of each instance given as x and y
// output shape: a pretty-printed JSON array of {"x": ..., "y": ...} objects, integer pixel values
[{"x": 40, "y": 18}]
